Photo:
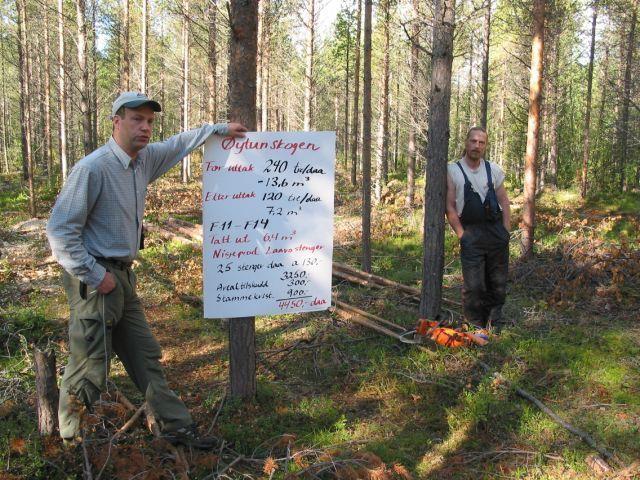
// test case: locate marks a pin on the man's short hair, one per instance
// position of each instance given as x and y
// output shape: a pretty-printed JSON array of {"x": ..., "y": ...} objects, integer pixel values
[
  {"x": 476, "y": 129},
  {"x": 121, "y": 112}
]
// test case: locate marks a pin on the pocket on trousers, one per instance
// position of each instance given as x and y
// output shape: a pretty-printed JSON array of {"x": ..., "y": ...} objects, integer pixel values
[{"x": 86, "y": 335}]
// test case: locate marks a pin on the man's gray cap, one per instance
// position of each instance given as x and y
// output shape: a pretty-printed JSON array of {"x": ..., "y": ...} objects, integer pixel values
[{"x": 133, "y": 100}]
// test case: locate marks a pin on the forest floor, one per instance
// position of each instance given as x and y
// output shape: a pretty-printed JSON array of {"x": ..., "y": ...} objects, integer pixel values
[{"x": 338, "y": 401}]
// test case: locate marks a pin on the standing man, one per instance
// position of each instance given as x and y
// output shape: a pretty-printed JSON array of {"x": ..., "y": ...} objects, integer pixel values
[
  {"x": 478, "y": 211},
  {"x": 95, "y": 231}
]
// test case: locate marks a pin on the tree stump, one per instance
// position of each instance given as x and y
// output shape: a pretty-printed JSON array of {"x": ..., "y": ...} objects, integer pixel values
[{"x": 46, "y": 391}]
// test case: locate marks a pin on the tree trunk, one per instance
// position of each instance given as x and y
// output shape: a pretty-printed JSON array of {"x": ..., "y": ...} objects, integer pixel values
[
  {"x": 535, "y": 90},
  {"x": 355, "y": 137},
  {"x": 587, "y": 115},
  {"x": 336, "y": 115},
  {"x": 46, "y": 391},
  {"x": 308, "y": 75},
  {"x": 143, "y": 50},
  {"x": 162, "y": 91},
  {"x": 366, "y": 140},
  {"x": 382, "y": 164},
  {"x": 62, "y": 95},
  {"x": 212, "y": 79},
  {"x": 396, "y": 135},
  {"x": 503, "y": 101},
  {"x": 413, "y": 113},
  {"x": 346, "y": 100},
  {"x": 470, "y": 81},
  {"x": 25, "y": 114},
  {"x": 485, "y": 66},
  {"x": 437, "y": 157},
  {"x": 94, "y": 89},
  {"x": 260, "y": 66},
  {"x": 552, "y": 162},
  {"x": 623, "y": 137},
  {"x": 83, "y": 80},
  {"x": 5, "y": 133},
  {"x": 602, "y": 138},
  {"x": 186, "y": 161},
  {"x": 48, "y": 153},
  {"x": 126, "y": 56},
  {"x": 264, "y": 106},
  {"x": 243, "y": 46}
]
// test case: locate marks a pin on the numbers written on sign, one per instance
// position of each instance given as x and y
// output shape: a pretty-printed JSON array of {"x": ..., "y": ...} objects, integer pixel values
[
  {"x": 276, "y": 166},
  {"x": 259, "y": 223}
]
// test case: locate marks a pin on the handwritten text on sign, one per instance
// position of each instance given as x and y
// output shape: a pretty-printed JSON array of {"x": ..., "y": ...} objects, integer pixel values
[{"x": 268, "y": 223}]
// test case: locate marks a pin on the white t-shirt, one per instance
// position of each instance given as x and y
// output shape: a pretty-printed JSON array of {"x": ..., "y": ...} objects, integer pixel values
[{"x": 477, "y": 178}]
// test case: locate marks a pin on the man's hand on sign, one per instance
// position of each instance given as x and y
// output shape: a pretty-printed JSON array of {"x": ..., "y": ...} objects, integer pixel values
[
  {"x": 236, "y": 129},
  {"x": 107, "y": 285}
]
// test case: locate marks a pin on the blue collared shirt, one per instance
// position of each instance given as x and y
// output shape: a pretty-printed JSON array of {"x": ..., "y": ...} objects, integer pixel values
[{"x": 100, "y": 208}]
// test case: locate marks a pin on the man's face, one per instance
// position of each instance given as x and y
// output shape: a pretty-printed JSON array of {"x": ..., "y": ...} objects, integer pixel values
[
  {"x": 133, "y": 132},
  {"x": 476, "y": 145}
]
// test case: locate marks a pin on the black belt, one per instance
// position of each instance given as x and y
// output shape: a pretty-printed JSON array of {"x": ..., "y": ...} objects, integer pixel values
[{"x": 118, "y": 264}]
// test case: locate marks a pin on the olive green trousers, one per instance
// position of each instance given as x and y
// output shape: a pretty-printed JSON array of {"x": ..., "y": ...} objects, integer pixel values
[{"x": 101, "y": 325}]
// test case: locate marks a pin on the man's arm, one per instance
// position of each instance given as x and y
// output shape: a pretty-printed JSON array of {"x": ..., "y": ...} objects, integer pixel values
[
  {"x": 67, "y": 220},
  {"x": 505, "y": 205},
  {"x": 452, "y": 212},
  {"x": 164, "y": 155}
]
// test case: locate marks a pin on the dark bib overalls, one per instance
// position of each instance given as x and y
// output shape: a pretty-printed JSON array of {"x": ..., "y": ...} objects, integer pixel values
[{"x": 484, "y": 253}]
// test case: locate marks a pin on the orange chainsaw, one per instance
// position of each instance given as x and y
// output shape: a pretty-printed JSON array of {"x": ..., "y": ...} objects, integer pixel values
[{"x": 445, "y": 336}]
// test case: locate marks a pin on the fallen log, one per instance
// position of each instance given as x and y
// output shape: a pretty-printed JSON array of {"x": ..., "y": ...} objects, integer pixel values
[
  {"x": 191, "y": 230},
  {"x": 369, "y": 316},
  {"x": 163, "y": 232},
  {"x": 355, "y": 315},
  {"x": 354, "y": 275}
]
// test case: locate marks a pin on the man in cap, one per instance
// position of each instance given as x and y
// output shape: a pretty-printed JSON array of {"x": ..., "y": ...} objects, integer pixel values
[{"x": 95, "y": 231}]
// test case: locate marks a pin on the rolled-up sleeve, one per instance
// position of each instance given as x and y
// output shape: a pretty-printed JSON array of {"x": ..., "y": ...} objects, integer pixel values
[
  {"x": 161, "y": 156},
  {"x": 67, "y": 221}
]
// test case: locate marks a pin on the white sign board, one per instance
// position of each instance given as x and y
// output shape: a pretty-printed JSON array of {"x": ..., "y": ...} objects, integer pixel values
[{"x": 267, "y": 223}]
